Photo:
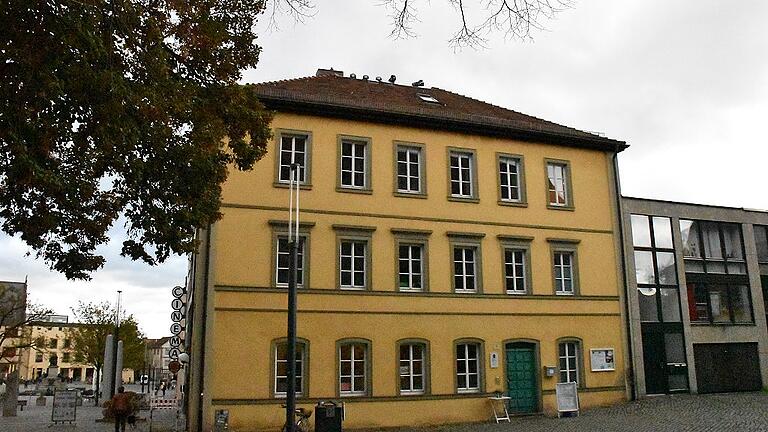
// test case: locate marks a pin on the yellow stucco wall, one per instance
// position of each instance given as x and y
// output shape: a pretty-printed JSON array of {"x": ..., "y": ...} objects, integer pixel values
[{"x": 249, "y": 314}]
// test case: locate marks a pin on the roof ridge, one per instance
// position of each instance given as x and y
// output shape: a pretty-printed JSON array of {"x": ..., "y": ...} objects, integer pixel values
[
  {"x": 517, "y": 112},
  {"x": 286, "y": 80}
]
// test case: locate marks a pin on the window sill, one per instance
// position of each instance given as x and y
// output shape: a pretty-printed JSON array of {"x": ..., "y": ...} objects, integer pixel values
[
  {"x": 708, "y": 324},
  {"x": 354, "y": 190},
  {"x": 343, "y": 288},
  {"x": 517, "y": 293},
  {"x": 418, "y": 195},
  {"x": 513, "y": 203},
  {"x": 562, "y": 208},
  {"x": 562, "y": 293},
  {"x": 354, "y": 395},
  {"x": 303, "y": 186},
  {"x": 411, "y": 290},
  {"x": 463, "y": 199},
  {"x": 466, "y": 292},
  {"x": 467, "y": 391}
]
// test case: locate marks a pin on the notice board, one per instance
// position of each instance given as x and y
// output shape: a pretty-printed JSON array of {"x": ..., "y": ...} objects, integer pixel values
[{"x": 64, "y": 406}]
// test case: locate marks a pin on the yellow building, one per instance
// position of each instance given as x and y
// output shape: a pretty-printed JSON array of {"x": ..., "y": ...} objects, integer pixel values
[{"x": 451, "y": 249}]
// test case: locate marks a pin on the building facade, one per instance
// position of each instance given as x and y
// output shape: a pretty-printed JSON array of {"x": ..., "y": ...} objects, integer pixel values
[
  {"x": 56, "y": 348},
  {"x": 450, "y": 250},
  {"x": 697, "y": 290}
]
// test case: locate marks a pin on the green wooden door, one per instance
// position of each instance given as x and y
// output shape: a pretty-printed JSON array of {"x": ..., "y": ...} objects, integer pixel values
[{"x": 521, "y": 380}]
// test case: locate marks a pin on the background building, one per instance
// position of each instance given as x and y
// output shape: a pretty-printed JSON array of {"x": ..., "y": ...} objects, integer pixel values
[
  {"x": 450, "y": 250},
  {"x": 13, "y": 296},
  {"x": 697, "y": 290}
]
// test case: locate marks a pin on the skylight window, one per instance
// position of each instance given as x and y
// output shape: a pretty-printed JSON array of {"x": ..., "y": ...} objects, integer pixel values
[{"x": 427, "y": 98}]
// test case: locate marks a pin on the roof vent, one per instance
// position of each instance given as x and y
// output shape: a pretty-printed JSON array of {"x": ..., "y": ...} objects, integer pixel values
[
  {"x": 419, "y": 83},
  {"x": 378, "y": 79},
  {"x": 329, "y": 72},
  {"x": 392, "y": 79},
  {"x": 353, "y": 76},
  {"x": 428, "y": 98},
  {"x": 365, "y": 77}
]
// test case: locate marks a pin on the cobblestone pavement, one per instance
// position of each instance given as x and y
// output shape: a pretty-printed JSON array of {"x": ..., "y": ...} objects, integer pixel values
[
  {"x": 731, "y": 412},
  {"x": 38, "y": 419}
]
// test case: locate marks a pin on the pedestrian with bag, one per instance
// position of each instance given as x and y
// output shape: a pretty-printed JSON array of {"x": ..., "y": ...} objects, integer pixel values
[{"x": 121, "y": 408}]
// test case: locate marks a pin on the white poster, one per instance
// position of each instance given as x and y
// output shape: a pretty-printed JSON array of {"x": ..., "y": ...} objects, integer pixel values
[{"x": 602, "y": 359}]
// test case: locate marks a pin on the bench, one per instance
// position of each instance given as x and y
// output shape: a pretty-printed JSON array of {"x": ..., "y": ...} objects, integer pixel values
[{"x": 21, "y": 404}]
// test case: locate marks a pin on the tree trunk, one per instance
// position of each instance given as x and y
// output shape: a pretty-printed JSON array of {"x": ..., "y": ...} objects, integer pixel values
[
  {"x": 96, "y": 395},
  {"x": 11, "y": 394}
]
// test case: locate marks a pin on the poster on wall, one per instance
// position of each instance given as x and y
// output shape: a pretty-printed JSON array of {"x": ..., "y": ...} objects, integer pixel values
[{"x": 602, "y": 359}]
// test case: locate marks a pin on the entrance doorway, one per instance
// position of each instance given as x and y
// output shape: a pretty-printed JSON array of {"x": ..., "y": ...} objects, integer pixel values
[
  {"x": 522, "y": 377},
  {"x": 666, "y": 370}
]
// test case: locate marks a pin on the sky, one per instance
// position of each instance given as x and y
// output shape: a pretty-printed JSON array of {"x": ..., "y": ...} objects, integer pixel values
[{"x": 684, "y": 83}]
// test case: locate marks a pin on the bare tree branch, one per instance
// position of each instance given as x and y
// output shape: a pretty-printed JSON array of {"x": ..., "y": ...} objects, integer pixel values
[
  {"x": 403, "y": 15},
  {"x": 298, "y": 10}
]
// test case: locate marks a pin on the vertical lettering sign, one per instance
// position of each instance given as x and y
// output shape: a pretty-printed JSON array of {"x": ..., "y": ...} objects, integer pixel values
[{"x": 177, "y": 316}]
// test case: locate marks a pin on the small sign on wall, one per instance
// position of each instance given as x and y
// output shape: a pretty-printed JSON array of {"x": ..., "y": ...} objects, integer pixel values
[
  {"x": 494, "y": 359},
  {"x": 602, "y": 359}
]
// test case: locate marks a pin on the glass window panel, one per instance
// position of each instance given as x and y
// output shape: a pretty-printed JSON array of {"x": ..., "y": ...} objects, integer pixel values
[
  {"x": 711, "y": 235},
  {"x": 697, "y": 303},
  {"x": 673, "y": 344},
  {"x": 662, "y": 232},
  {"x": 694, "y": 266},
  {"x": 641, "y": 232},
  {"x": 648, "y": 309},
  {"x": 733, "y": 245},
  {"x": 741, "y": 304},
  {"x": 644, "y": 267},
  {"x": 665, "y": 262},
  {"x": 689, "y": 231},
  {"x": 715, "y": 267},
  {"x": 718, "y": 300},
  {"x": 678, "y": 381},
  {"x": 761, "y": 242},
  {"x": 670, "y": 305}
]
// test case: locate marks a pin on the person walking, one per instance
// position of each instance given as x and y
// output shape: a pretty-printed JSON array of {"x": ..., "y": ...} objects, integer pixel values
[{"x": 121, "y": 408}]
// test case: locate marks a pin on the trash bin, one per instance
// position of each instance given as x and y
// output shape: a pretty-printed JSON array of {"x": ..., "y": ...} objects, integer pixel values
[{"x": 328, "y": 416}]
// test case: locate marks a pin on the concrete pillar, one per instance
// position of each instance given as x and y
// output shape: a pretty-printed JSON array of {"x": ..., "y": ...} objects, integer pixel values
[
  {"x": 108, "y": 371},
  {"x": 119, "y": 366},
  {"x": 11, "y": 394}
]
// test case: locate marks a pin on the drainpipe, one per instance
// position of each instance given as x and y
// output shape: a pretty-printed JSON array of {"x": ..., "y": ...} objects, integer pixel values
[
  {"x": 203, "y": 326},
  {"x": 617, "y": 186}
]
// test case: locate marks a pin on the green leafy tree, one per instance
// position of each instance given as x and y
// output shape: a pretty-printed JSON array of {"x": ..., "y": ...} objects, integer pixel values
[
  {"x": 123, "y": 108},
  {"x": 89, "y": 337}
]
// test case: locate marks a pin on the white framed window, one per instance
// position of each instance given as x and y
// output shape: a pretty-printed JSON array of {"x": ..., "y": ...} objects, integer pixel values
[
  {"x": 465, "y": 269},
  {"x": 467, "y": 367},
  {"x": 411, "y": 368},
  {"x": 558, "y": 188},
  {"x": 515, "y": 271},
  {"x": 410, "y": 265},
  {"x": 353, "y": 264},
  {"x": 409, "y": 169},
  {"x": 564, "y": 281},
  {"x": 461, "y": 166},
  {"x": 294, "y": 148},
  {"x": 509, "y": 179},
  {"x": 569, "y": 361},
  {"x": 353, "y": 369},
  {"x": 281, "y": 368},
  {"x": 354, "y": 164},
  {"x": 283, "y": 258}
]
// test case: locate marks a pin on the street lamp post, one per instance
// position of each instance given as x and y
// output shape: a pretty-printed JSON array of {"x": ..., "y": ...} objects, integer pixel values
[
  {"x": 113, "y": 379},
  {"x": 293, "y": 246}
]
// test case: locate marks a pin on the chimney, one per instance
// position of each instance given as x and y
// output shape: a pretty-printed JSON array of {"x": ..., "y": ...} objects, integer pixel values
[{"x": 328, "y": 72}]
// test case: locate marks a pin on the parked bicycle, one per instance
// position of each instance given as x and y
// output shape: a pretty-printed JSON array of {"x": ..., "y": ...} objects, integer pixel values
[{"x": 302, "y": 420}]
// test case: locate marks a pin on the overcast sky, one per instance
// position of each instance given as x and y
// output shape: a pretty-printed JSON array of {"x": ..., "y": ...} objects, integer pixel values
[{"x": 685, "y": 83}]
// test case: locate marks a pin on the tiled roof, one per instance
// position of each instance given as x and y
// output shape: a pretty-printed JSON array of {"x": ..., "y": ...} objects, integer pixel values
[{"x": 339, "y": 96}]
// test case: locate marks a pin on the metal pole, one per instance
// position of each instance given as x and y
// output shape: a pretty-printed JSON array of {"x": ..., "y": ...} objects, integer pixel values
[
  {"x": 113, "y": 378},
  {"x": 293, "y": 240}
]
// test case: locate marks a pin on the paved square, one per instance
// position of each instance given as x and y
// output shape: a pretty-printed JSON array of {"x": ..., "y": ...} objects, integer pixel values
[{"x": 730, "y": 412}]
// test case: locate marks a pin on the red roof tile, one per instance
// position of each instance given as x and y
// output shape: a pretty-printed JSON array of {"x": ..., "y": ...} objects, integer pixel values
[{"x": 386, "y": 102}]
